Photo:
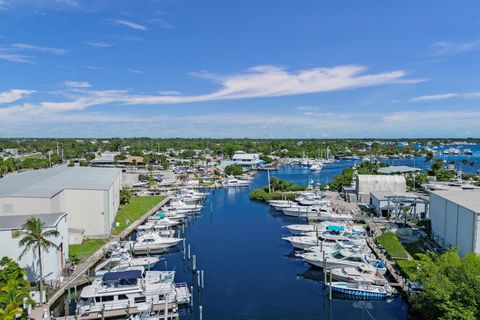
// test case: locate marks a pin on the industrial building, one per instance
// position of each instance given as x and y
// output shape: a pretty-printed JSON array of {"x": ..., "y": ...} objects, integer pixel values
[
  {"x": 388, "y": 203},
  {"x": 53, "y": 260},
  {"x": 455, "y": 219},
  {"x": 367, "y": 183},
  {"x": 89, "y": 196}
]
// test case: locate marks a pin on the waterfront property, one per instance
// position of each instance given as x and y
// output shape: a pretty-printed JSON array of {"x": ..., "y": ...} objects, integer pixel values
[
  {"x": 243, "y": 159},
  {"x": 454, "y": 215},
  {"x": 90, "y": 197},
  {"x": 53, "y": 260}
]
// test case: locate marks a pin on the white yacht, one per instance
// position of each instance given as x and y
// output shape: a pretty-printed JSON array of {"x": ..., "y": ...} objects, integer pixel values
[
  {"x": 132, "y": 290},
  {"x": 181, "y": 207},
  {"x": 121, "y": 259},
  {"x": 306, "y": 211},
  {"x": 339, "y": 259},
  {"x": 151, "y": 242},
  {"x": 159, "y": 223},
  {"x": 234, "y": 182},
  {"x": 363, "y": 273}
]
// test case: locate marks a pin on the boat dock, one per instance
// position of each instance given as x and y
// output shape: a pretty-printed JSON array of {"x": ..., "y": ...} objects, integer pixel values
[{"x": 80, "y": 274}]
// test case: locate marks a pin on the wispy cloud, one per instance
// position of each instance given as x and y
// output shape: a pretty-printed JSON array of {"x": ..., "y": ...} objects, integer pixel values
[
  {"x": 445, "y": 48},
  {"x": 130, "y": 24},
  {"x": 14, "y": 95},
  {"x": 14, "y": 57},
  {"x": 257, "y": 82},
  {"x": 445, "y": 96},
  {"x": 434, "y": 97},
  {"x": 99, "y": 44},
  {"x": 31, "y": 47},
  {"x": 77, "y": 84}
]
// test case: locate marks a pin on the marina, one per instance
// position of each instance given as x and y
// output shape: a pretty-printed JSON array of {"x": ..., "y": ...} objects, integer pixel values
[{"x": 215, "y": 241}]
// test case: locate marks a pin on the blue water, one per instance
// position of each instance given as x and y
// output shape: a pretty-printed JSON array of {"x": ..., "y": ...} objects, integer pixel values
[{"x": 249, "y": 269}]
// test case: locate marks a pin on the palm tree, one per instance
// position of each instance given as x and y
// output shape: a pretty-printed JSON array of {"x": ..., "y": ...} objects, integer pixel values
[
  {"x": 35, "y": 238},
  {"x": 11, "y": 312},
  {"x": 14, "y": 292}
]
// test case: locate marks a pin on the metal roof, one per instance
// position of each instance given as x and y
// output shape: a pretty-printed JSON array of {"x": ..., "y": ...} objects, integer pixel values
[
  {"x": 46, "y": 183},
  {"x": 469, "y": 199},
  {"x": 397, "y": 169},
  {"x": 15, "y": 221}
]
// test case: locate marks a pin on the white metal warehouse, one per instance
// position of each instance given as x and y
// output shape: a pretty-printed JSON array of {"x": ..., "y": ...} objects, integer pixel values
[
  {"x": 53, "y": 260},
  {"x": 367, "y": 183},
  {"x": 90, "y": 197},
  {"x": 454, "y": 215}
]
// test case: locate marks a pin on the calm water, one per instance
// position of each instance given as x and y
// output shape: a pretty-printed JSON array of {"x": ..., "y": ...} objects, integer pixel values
[{"x": 249, "y": 272}]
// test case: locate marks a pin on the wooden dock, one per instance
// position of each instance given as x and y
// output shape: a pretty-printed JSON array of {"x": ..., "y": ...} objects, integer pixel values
[{"x": 78, "y": 276}]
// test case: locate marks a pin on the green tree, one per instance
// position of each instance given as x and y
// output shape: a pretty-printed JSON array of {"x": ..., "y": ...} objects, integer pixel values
[
  {"x": 10, "y": 312},
  {"x": 34, "y": 237},
  {"x": 125, "y": 196},
  {"x": 451, "y": 287},
  {"x": 233, "y": 170}
]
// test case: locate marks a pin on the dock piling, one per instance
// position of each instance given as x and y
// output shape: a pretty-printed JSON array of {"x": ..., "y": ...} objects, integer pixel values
[
  {"x": 203, "y": 279},
  {"x": 188, "y": 252},
  {"x": 191, "y": 296},
  {"x": 330, "y": 294},
  {"x": 200, "y": 309},
  {"x": 194, "y": 262}
]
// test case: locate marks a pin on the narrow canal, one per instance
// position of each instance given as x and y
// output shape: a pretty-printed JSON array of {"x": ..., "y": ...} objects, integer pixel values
[{"x": 249, "y": 269}]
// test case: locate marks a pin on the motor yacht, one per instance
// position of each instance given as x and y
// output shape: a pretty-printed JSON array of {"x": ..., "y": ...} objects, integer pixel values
[{"x": 131, "y": 291}]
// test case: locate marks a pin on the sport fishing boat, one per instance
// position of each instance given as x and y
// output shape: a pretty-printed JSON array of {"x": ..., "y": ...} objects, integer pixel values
[
  {"x": 151, "y": 242},
  {"x": 305, "y": 211},
  {"x": 181, "y": 207},
  {"x": 340, "y": 259},
  {"x": 363, "y": 273},
  {"x": 362, "y": 289},
  {"x": 323, "y": 226},
  {"x": 121, "y": 259},
  {"x": 234, "y": 182},
  {"x": 132, "y": 292},
  {"x": 159, "y": 223}
]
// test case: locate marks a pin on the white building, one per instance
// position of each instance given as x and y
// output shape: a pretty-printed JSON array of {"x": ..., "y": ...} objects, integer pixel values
[
  {"x": 455, "y": 219},
  {"x": 367, "y": 183},
  {"x": 53, "y": 260},
  {"x": 90, "y": 197},
  {"x": 243, "y": 159}
]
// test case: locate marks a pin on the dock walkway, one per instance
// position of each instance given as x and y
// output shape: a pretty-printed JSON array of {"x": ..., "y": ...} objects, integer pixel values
[{"x": 78, "y": 275}]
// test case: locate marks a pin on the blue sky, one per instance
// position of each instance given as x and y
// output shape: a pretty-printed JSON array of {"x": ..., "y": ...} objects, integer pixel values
[{"x": 250, "y": 68}]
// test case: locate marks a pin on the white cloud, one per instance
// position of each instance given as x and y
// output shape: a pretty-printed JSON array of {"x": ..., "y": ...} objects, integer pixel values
[
  {"x": 442, "y": 96},
  {"x": 445, "y": 48},
  {"x": 99, "y": 44},
  {"x": 14, "y": 95},
  {"x": 13, "y": 57},
  {"x": 77, "y": 84},
  {"x": 130, "y": 24},
  {"x": 257, "y": 82},
  {"x": 31, "y": 47},
  {"x": 273, "y": 81},
  {"x": 445, "y": 96}
]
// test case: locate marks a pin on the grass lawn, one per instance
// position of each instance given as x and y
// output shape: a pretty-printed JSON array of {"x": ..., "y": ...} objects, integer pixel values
[
  {"x": 87, "y": 248},
  {"x": 393, "y": 246},
  {"x": 137, "y": 207},
  {"x": 409, "y": 268}
]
